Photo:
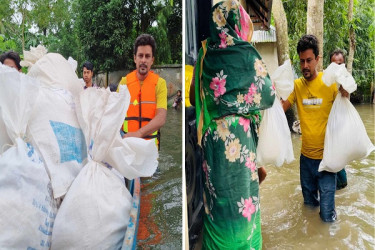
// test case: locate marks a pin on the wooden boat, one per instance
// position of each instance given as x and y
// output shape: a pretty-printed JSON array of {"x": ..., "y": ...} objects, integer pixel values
[{"x": 130, "y": 240}]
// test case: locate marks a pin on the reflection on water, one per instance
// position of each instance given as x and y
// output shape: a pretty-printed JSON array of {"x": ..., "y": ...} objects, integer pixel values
[
  {"x": 161, "y": 201},
  {"x": 288, "y": 224}
]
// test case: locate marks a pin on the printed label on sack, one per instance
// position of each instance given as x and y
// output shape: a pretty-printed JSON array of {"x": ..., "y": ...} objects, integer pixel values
[{"x": 71, "y": 142}]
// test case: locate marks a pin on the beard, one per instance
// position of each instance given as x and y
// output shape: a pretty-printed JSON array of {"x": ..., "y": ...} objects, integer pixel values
[
  {"x": 142, "y": 69},
  {"x": 307, "y": 74}
]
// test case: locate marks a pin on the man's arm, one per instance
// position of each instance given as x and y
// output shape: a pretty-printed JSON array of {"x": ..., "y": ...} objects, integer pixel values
[
  {"x": 157, "y": 122},
  {"x": 192, "y": 89},
  {"x": 192, "y": 93},
  {"x": 286, "y": 104}
]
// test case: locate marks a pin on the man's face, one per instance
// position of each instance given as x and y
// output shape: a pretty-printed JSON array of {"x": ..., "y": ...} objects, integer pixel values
[
  {"x": 11, "y": 63},
  {"x": 308, "y": 63},
  {"x": 87, "y": 75},
  {"x": 143, "y": 59},
  {"x": 338, "y": 58}
]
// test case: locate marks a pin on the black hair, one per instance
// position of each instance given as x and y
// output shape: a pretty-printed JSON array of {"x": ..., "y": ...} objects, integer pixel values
[
  {"x": 13, "y": 56},
  {"x": 113, "y": 87},
  {"x": 308, "y": 42},
  {"x": 88, "y": 65},
  {"x": 179, "y": 91},
  {"x": 337, "y": 52},
  {"x": 143, "y": 40}
]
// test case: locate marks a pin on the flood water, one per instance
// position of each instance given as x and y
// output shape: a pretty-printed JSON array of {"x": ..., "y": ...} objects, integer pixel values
[
  {"x": 161, "y": 195},
  {"x": 288, "y": 224}
]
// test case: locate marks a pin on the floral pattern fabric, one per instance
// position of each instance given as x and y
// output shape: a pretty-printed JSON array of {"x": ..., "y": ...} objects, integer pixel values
[
  {"x": 232, "y": 85},
  {"x": 231, "y": 185}
]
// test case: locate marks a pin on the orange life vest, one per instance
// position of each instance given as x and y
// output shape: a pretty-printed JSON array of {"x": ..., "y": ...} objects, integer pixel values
[{"x": 142, "y": 106}]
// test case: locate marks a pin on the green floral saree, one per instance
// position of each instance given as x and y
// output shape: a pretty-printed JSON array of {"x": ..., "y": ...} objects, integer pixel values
[{"x": 231, "y": 86}]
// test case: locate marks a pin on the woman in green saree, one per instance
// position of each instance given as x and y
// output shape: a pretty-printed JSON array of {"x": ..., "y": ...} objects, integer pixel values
[{"x": 231, "y": 86}]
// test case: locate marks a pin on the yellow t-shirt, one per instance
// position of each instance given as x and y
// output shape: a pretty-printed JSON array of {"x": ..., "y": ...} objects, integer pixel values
[
  {"x": 314, "y": 102},
  {"x": 160, "y": 90},
  {"x": 188, "y": 76}
]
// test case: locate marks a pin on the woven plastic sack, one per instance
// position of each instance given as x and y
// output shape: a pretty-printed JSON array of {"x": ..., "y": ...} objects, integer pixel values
[
  {"x": 284, "y": 80},
  {"x": 95, "y": 211},
  {"x": 346, "y": 138},
  {"x": 54, "y": 128},
  {"x": 27, "y": 208},
  {"x": 275, "y": 143}
]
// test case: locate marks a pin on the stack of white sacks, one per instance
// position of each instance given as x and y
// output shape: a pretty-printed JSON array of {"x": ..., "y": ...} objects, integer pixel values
[
  {"x": 346, "y": 138},
  {"x": 59, "y": 142}
]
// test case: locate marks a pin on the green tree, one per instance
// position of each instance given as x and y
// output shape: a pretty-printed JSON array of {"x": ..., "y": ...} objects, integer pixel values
[
  {"x": 106, "y": 33},
  {"x": 335, "y": 28},
  {"x": 50, "y": 15},
  {"x": 281, "y": 24},
  {"x": 107, "y": 30},
  {"x": 159, "y": 30},
  {"x": 296, "y": 17},
  {"x": 364, "y": 57},
  {"x": 174, "y": 24},
  {"x": 336, "y": 35}
]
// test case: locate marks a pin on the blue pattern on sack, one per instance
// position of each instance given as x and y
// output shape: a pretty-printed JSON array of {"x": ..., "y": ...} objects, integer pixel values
[
  {"x": 32, "y": 154},
  {"x": 71, "y": 142}
]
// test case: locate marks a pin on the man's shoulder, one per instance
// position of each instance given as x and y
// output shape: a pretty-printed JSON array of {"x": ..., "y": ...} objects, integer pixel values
[
  {"x": 123, "y": 80},
  {"x": 161, "y": 80},
  {"x": 298, "y": 82}
]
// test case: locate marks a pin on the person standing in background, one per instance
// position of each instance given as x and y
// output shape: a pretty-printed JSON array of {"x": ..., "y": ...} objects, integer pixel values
[
  {"x": 88, "y": 73},
  {"x": 11, "y": 59}
]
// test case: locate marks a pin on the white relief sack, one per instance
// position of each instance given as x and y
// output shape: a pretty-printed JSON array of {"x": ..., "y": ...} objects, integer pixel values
[
  {"x": 54, "y": 128},
  {"x": 346, "y": 138},
  {"x": 336, "y": 73},
  {"x": 95, "y": 212},
  {"x": 27, "y": 208},
  {"x": 135, "y": 162},
  {"x": 4, "y": 137},
  {"x": 274, "y": 143},
  {"x": 284, "y": 80}
]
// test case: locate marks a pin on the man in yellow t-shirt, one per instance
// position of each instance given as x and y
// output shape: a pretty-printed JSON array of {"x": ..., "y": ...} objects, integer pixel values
[
  {"x": 147, "y": 112},
  {"x": 314, "y": 102}
]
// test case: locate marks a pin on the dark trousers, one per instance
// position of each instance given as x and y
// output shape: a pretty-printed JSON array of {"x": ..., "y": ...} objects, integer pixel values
[
  {"x": 341, "y": 180},
  {"x": 313, "y": 181}
]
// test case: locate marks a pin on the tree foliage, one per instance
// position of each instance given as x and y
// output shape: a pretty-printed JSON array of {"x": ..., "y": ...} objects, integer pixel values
[
  {"x": 106, "y": 32},
  {"x": 296, "y": 16},
  {"x": 336, "y": 35},
  {"x": 108, "y": 36},
  {"x": 100, "y": 31}
]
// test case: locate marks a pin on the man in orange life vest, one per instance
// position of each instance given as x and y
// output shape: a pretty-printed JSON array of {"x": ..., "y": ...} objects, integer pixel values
[{"x": 148, "y": 103}]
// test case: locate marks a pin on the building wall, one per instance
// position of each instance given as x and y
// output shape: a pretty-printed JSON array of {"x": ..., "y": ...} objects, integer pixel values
[{"x": 268, "y": 52}]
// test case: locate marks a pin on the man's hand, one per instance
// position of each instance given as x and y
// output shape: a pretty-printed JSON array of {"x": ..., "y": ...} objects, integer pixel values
[
  {"x": 156, "y": 123},
  {"x": 343, "y": 92},
  {"x": 262, "y": 174},
  {"x": 133, "y": 134}
]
